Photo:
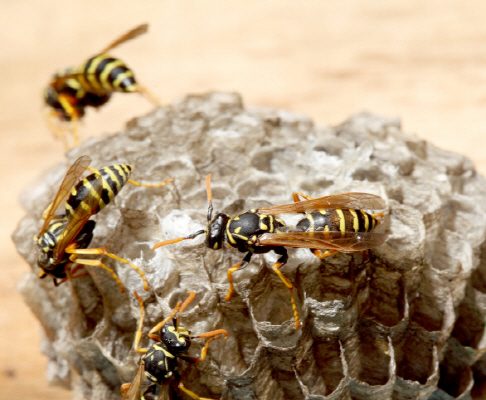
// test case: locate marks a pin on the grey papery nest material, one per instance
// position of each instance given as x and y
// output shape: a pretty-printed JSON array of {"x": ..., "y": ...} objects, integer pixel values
[{"x": 403, "y": 321}]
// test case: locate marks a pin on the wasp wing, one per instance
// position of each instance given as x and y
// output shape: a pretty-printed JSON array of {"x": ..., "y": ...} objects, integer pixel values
[
  {"x": 133, "y": 392},
  {"x": 341, "y": 241},
  {"x": 80, "y": 215},
  {"x": 132, "y": 34},
  {"x": 72, "y": 177},
  {"x": 355, "y": 200}
]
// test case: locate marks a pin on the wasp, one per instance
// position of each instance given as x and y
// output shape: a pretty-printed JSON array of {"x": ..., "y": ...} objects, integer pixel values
[
  {"x": 159, "y": 364},
  {"x": 332, "y": 224},
  {"x": 71, "y": 90},
  {"x": 67, "y": 230}
]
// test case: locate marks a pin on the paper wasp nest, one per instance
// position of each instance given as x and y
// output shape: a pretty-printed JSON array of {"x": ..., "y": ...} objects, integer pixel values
[{"x": 404, "y": 321}]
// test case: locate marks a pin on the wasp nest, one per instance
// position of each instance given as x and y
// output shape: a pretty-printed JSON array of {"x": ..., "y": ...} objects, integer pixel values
[{"x": 403, "y": 321}]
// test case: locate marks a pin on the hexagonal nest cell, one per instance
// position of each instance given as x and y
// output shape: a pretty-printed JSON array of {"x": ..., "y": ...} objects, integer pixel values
[{"x": 402, "y": 321}]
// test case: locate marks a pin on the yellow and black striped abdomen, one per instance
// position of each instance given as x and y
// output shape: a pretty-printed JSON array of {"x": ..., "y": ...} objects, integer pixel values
[
  {"x": 104, "y": 74},
  {"x": 348, "y": 220},
  {"x": 114, "y": 177}
]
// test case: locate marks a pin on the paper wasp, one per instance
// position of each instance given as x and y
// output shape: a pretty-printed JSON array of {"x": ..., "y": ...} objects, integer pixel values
[
  {"x": 333, "y": 223},
  {"x": 71, "y": 90},
  {"x": 68, "y": 230},
  {"x": 159, "y": 362}
]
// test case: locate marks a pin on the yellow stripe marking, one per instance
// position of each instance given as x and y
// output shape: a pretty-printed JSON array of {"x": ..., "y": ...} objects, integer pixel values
[
  {"x": 229, "y": 235},
  {"x": 241, "y": 237},
  {"x": 106, "y": 184},
  {"x": 107, "y": 71},
  {"x": 263, "y": 226},
  {"x": 355, "y": 220},
  {"x": 366, "y": 219},
  {"x": 311, "y": 221},
  {"x": 237, "y": 230},
  {"x": 119, "y": 79},
  {"x": 342, "y": 222},
  {"x": 91, "y": 73}
]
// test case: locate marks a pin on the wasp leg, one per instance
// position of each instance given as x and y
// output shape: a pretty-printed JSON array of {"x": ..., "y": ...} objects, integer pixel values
[
  {"x": 73, "y": 114},
  {"x": 232, "y": 270},
  {"x": 323, "y": 254},
  {"x": 97, "y": 263},
  {"x": 377, "y": 216},
  {"x": 124, "y": 388},
  {"x": 70, "y": 274},
  {"x": 102, "y": 251},
  {"x": 74, "y": 120},
  {"x": 192, "y": 395},
  {"x": 296, "y": 195},
  {"x": 138, "y": 335},
  {"x": 280, "y": 263},
  {"x": 149, "y": 95},
  {"x": 52, "y": 121},
  {"x": 138, "y": 183},
  {"x": 151, "y": 185},
  {"x": 213, "y": 335}
]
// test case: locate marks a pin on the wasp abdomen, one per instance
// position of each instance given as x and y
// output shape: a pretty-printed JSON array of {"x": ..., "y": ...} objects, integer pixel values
[
  {"x": 102, "y": 74},
  {"x": 337, "y": 220},
  {"x": 114, "y": 177}
]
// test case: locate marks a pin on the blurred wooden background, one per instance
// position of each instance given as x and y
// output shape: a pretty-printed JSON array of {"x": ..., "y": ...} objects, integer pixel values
[{"x": 424, "y": 62}]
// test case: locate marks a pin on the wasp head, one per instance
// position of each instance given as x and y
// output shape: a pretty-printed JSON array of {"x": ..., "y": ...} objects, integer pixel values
[{"x": 215, "y": 231}]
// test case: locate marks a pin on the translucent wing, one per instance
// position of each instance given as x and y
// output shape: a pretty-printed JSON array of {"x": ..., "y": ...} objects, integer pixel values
[
  {"x": 132, "y": 34},
  {"x": 72, "y": 177},
  {"x": 347, "y": 241},
  {"x": 360, "y": 201},
  {"x": 86, "y": 208},
  {"x": 133, "y": 392}
]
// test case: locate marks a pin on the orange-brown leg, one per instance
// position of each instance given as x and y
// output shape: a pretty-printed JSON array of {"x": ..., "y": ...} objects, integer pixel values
[
  {"x": 191, "y": 394},
  {"x": 377, "y": 217},
  {"x": 73, "y": 114},
  {"x": 52, "y": 121},
  {"x": 275, "y": 267},
  {"x": 232, "y": 270},
  {"x": 144, "y": 91},
  {"x": 151, "y": 185},
  {"x": 135, "y": 183},
  {"x": 296, "y": 195},
  {"x": 138, "y": 335},
  {"x": 102, "y": 251},
  {"x": 124, "y": 388},
  {"x": 323, "y": 253},
  {"x": 98, "y": 263}
]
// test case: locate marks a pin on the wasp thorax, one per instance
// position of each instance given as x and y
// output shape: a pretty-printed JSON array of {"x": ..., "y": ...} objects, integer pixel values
[{"x": 215, "y": 233}]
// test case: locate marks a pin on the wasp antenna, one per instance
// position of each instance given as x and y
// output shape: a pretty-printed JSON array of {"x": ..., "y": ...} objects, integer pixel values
[
  {"x": 210, "y": 197},
  {"x": 188, "y": 300},
  {"x": 183, "y": 306},
  {"x": 170, "y": 241},
  {"x": 212, "y": 334}
]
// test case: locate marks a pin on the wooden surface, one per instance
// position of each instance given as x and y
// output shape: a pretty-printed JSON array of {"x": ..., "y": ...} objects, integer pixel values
[{"x": 424, "y": 62}]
